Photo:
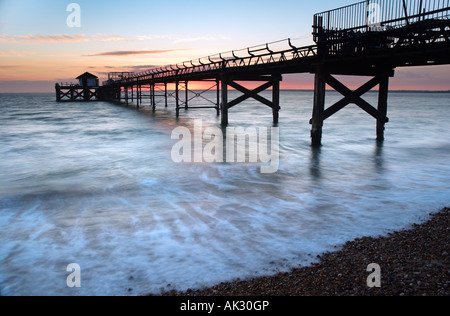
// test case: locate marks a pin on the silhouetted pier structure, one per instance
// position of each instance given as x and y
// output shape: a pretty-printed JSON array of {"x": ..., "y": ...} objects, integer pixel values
[
  {"x": 369, "y": 38},
  {"x": 84, "y": 90}
]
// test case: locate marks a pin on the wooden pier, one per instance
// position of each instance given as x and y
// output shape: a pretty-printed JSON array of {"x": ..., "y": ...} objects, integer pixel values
[
  {"x": 85, "y": 90},
  {"x": 370, "y": 38}
]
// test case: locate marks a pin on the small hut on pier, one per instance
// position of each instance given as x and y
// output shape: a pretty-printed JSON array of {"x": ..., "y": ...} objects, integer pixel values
[
  {"x": 88, "y": 80},
  {"x": 85, "y": 90}
]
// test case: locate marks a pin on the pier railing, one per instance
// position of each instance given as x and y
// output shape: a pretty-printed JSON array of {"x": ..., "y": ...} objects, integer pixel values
[
  {"x": 279, "y": 51},
  {"x": 376, "y": 15},
  {"x": 68, "y": 84}
]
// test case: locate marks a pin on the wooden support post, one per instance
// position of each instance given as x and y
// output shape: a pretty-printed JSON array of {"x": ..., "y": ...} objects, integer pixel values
[
  {"x": 137, "y": 96},
  {"x": 319, "y": 108},
  {"x": 382, "y": 106},
  {"x": 224, "y": 101},
  {"x": 186, "y": 106},
  {"x": 177, "y": 99},
  {"x": 118, "y": 93},
  {"x": 150, "y": 91},
  {"x": 276, "y": 100},
  {"x": 153, "y": 97},
  {"x": 218, "y": 97},
  {"x": 126, "y": 95},
  {"x": 86, "y": 94},
  {"x": 165, "y": 93},
  {"x": 58, "y": 92}
]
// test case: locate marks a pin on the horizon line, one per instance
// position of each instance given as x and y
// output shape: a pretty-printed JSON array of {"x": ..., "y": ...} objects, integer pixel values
[{"x": 306, "y": 90}]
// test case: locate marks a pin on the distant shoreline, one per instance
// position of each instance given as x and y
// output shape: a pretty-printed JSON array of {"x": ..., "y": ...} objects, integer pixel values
[
  {"x": 390, "y": 91},
  {"x": 300, "y": 90}
]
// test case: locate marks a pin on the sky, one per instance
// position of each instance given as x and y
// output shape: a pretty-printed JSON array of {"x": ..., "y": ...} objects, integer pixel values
[{"x": 39, "y": 48}]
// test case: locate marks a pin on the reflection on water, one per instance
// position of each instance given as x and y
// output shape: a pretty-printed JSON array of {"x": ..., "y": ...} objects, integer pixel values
[
  {"x": 315, "y": 163},
  {"x": 94, "y": 184},
  {"x": 378, "y": 157}
]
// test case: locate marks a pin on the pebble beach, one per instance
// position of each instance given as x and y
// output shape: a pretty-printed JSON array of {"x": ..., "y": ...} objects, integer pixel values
[{"x": 413, "y": 262}]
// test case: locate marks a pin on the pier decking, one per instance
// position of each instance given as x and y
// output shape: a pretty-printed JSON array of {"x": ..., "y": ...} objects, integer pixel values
[{"x": 369, "y": 38}]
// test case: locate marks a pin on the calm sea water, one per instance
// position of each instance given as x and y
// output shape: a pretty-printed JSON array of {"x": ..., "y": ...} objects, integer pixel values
[{"x": 94, "y": 184}]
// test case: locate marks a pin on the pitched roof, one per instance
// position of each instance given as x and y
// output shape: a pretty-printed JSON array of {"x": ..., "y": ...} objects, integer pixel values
[{"x": 87, "y": 75}]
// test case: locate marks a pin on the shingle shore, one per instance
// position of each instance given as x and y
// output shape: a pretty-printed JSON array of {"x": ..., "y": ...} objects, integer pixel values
[{"x": 413, "y": 262}]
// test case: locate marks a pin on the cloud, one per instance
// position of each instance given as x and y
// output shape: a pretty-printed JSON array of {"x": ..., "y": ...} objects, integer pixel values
[
  {"x": 198, "y": 39},
  {"x": 13, "y": 53},
  {"x": 62, "y": 38},
  {"x": 143, "y": 68},
  {"x": 137, "y": 52},
  {"x": 182, "y": 38},
  {"x": 132, "y": 68},
  {"x": 153, "y": 37},
  {"x": 11, "y": 66},
  {"x": 7, "y": 53}
]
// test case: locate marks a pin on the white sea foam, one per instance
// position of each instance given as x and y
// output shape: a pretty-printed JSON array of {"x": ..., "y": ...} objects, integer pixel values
[{"x": 137, "y": 223}]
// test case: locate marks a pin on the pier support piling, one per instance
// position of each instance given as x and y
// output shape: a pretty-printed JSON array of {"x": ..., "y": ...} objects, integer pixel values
[
  {"x": 224, "y": 105},
  {"x": 276, "y": 101},
  {"x": 58, "y": 92},
  {"x": 218, "y": 97},
  {"x": 165, "y": 94},
  {"x": 320, "y": 114},
  {"x": 186, "y": 106},
  {"x": 76, "y": 93},
  {"x": 272, "y": 81},
  {"x": 137, "y": 96},
  {"x": 318, "y": 108},
  {"x": 177, "y": 98},
  {"x": 382, "y": 106}
]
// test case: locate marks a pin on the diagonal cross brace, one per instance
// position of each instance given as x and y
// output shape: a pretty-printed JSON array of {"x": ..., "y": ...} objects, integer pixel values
[
  {"x": 200, "y": 94},
  {"x": 253, "y": 94},
  {"x": 65, "y": 94},
  {"x": 354, "y": 97},
  {"x": 78, "y": 94}
]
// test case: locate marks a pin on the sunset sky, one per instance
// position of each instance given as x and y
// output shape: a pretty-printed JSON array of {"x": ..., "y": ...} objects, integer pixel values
[{"x": 38, "y": 48}]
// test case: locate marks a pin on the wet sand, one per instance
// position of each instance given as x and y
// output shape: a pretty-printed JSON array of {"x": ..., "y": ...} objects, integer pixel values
[{"x": 413, "y": 262}]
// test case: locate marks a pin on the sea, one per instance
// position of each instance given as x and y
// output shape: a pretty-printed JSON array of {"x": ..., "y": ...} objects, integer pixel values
[{"x": 95, "y": 184}]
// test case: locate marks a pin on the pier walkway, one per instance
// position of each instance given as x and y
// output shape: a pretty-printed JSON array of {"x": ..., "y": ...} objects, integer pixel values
[{"x": 370, "y": 38}]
